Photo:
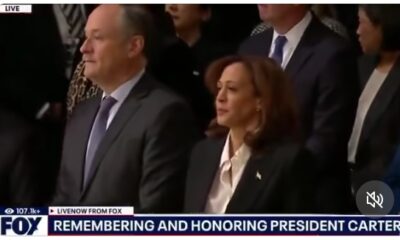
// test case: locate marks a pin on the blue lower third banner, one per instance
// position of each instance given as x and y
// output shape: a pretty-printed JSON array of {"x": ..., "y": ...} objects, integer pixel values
[
  {"x": 222, "y": 225},
  {"x": 84, "y": 221}
]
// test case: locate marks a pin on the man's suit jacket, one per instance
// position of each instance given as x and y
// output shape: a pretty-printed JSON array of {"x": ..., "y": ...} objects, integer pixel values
[
  {"x": 324, "y": 72},
  {"x": 380, "y": 133},
  {"x": 142, "y": 158},
  {"x": 17, "y": 161},
  {"x": 286, "y": 185}
]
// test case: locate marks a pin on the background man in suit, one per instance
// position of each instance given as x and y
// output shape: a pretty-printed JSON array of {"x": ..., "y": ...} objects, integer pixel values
[
  {"x": 34, "y": 72},
  {"x": 33, "y": 63},
  {"x": 128, "y": 146},
  {"x": 38, "y": 60},
  {"x": 324, "y": 74},
  {"x": 19, "y": 148}
]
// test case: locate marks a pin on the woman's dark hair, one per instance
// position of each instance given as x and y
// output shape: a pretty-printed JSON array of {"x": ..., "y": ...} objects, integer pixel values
[
  {"x": 278, "y": 111},
  {"x": 387, "y": 17}
]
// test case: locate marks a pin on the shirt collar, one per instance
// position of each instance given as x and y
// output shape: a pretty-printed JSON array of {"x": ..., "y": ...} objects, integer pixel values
[
  {"x": 122, "y": 92},
  {"x": 294, "y": 35},
  {"x": 242, "y": 154}
]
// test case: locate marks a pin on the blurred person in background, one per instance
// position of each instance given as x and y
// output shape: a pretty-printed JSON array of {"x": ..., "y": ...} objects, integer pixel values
[
  {"x": 326, "y": 14},
  {"x": 35, "y": 67},
  {"x": 33, "y": 63},
  {"x": 375, "y": 132},
  {"x": 20, "y": 181},
  {"x": 190, "y": 21},
  {"x": 251, "y": 162},
  {"x": 36, "y": 72},
  {"x": 323, "y": 69}
]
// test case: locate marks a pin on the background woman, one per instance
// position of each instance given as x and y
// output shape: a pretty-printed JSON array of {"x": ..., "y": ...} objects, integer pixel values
[{"x": 376, "y": 127}]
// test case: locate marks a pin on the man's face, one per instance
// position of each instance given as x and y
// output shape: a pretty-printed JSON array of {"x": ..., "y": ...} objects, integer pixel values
[
  {"x": 274, "y": 12},
  {"x": 187, "y": 16},
  {"x": 105, "y": 50}
]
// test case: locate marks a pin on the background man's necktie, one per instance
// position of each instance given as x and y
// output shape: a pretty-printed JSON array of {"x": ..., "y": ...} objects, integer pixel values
[{"x": 277, "y": 55}]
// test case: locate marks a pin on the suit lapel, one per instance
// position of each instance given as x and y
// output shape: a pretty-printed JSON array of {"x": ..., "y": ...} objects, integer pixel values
[
  {"x": 304, "y": 49},
  {"x": 126, "y": 111},
  {"x": 256, "y": 174},
  {"x": 208, "y": 169},
  {"x": 267, "y": 41},
  {"x": 382, "y": 100},
  {"x": 366, "y": 66}
]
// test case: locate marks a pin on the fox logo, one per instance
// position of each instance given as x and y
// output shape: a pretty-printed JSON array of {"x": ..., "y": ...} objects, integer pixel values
[{"x": 19, "y": 225}]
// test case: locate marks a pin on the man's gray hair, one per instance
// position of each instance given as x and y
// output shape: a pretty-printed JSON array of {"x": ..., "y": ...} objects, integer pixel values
[{"x": 137, "y": 20}]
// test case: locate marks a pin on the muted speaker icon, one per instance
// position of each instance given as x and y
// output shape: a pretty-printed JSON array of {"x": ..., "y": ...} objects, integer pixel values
[{"x": 374, "y": 199}]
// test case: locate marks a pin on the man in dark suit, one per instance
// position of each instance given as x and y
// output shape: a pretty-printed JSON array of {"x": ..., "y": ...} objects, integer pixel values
[
  {"x": 17, "y": 161},
  {"x": 38, "y": 57},
  {"x": 33, "y": 61},
  {"x": 33, "y": 74},
  {"x": 324, "y": 73},
  {"x": 130, "y": 145}
]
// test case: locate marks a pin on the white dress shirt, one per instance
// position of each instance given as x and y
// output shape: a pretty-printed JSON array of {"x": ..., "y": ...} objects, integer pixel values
[
  {"x": 121, "y": 93},
  {"x": 221, "y": 190},
  {"x": 364, "y": 103},
  {"x": 293, "y": 37}
]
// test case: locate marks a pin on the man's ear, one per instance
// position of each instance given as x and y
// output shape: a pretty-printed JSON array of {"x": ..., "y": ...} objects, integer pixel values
[{"x": 135, "y": 46}]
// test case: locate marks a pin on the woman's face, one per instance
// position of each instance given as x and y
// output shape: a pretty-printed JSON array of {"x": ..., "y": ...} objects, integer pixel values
[
  {"x": 369, "y": 35},
  {"x": 236, "y": 102}
]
